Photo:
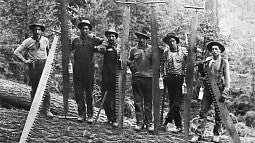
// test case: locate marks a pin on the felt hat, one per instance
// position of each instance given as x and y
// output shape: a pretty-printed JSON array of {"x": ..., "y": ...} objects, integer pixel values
[
  {"x": 84, "y": 22},
  {"x": 143, "y": 34},
  {"x": 111, "y": 31},
  {"x": 169, "y": 36},
  {"x": 215, "y": 43},
  {"x": 31, "y": 26}
]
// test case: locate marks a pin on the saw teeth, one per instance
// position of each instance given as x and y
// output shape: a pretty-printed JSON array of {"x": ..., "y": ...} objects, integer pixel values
[
  {"x": 116, "y": 92},
  {"x": 33, "y": 113},
  {"x": 211, "y": 92}
]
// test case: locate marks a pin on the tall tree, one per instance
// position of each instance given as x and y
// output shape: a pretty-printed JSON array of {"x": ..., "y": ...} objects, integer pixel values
[{"x": 65, "y": 53}]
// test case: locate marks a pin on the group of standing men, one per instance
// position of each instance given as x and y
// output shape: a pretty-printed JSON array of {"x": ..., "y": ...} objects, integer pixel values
[{"x": 140, "y": 63}]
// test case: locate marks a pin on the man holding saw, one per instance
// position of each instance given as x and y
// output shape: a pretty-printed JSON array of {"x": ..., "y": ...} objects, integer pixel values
[
  {"x": 111, "y": 65},
  {"x": 219, "y": 68},
  {"x": 36, "y": 49}
]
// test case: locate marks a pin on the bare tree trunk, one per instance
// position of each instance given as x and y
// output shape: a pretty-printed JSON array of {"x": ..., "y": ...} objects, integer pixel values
[
  {"x": 212, "y": 6},
  {"x": 65, "y": 54}
]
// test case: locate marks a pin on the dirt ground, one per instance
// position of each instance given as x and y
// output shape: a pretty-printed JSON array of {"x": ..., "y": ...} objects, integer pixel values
[{"x": 58, "y": 130}]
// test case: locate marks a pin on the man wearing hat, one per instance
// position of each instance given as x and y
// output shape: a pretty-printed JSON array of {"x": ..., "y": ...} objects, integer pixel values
[
  {"x": 175, "y": 63},
  {"x": 140, "y": 64},
  {"x": 111, "y": 66},
  {"x": 219, "y": 67},
  {"x": 36, "y": 50},
  {"x": 83, "y": 69}
]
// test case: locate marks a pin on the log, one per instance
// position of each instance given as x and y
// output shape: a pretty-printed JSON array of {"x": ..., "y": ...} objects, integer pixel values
[{"x": 17, "y": 95}]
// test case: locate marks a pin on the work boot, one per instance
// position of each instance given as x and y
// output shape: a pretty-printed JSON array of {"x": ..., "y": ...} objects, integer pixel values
[
  {"x": 178, "y": 130},
  {"x": 90, "y": 120},
  {"x": 150, "y": 127},
  {"x": 139, "y": 126},
  {"x": 46, "y": 106},
  {"x": 164, "y": 127},
  {"x": 81, "y": 118},
  {"x": 216, "y": 138},
  {"x": 115, "y": 124},
  {"x": 49, "y": 114},
  {"x": 216, "y": 132},
  {"x": 195, "y": 139}
]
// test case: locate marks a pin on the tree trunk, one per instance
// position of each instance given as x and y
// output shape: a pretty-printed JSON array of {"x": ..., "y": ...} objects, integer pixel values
[
  {"x": 65, "y": 54},
  {"x": 17, "y": 95}
]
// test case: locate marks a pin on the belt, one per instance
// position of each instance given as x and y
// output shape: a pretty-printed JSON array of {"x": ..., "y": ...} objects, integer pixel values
[
  {"x": 174, "y": 75},
  {"x": 34, "y": 64}
]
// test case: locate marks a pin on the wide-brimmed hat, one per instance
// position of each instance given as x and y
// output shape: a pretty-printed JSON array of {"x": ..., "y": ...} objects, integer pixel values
[
  {"x": 84, "y": 22},
  {"x": 143, "y": 34},
  {"x": 37, "y": 24},
  {"x": 215, "y": 43},
  {"x": 169, "y": 36},
  {"x": 111, "y": 31}
]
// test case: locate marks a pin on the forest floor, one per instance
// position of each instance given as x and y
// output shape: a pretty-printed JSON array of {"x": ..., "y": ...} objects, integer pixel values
[
  {"x": 69, "y": 130},
  {"x": 59, "y": 130}
]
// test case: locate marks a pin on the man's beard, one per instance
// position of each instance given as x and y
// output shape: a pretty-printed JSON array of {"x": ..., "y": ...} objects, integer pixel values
[
  {"x": 111, "y": 42},
  {"x": 173, "y": 48},
  {"x": 84, "y": 34},
  {"x": 141, "y": 44},
  {"x": 36, "y": 37}
]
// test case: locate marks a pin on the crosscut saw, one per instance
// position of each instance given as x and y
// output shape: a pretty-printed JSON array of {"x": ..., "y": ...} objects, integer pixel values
[
  {"x": 35, "y": 107},
  {"x": 220, "y": 107}
]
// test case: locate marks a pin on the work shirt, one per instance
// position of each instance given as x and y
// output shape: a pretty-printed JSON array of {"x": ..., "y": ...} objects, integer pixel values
[
  {"x": 175, "y": 61},
  {"x": 84, "y": 48},
  {"x": 220, "y": 70},
  {"x": 111, "y": 57},
  {"x": 141, "y": 58},
  {"x": 36, "y": 50}
]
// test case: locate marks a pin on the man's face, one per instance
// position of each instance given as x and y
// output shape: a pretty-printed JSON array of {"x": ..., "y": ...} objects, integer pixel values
[
  {"x": 37, "y": 31},
  {"x": 141, "y": 41},
  {"x": 215, "y": 50},
  {"x": 172, "y": 44},
  {"x": 111, "y": 38},
  {"x": 84, "y": 30}
]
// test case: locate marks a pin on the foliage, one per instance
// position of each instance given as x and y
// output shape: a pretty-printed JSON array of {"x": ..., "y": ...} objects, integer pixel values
[{"x": 16, "y": 15}]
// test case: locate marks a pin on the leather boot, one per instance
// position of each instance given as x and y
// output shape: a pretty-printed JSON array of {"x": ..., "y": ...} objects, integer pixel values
[{"x": 46, "y": 106}]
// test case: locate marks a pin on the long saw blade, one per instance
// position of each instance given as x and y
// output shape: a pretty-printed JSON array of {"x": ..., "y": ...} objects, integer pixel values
[
  {"x": 221, "y": 107},
  {"x": 34, "y": 109}
]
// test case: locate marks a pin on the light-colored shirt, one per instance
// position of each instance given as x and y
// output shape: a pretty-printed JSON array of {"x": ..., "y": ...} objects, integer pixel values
[
  {"x": 175, "y": 61},
  {"x": 36, "y": 50}
]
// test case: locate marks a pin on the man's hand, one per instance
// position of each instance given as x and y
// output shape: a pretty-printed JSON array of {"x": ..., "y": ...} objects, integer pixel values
[
  {"x": 224, "y": 95},
  {"x": 101, "y": 48},
  {"x": 91, "y": 35},
  {"x": 105, "y": 43},
  {"x": 225, "y": 91},
  {"x": 27, "y": 61}
]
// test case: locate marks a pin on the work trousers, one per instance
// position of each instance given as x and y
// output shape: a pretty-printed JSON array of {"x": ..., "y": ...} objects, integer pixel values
[
  {"x": 142, "y": 90},
  {"x": 83, "y": 78},
  {"x": 109, "y": 77},
  {"x": 35, "y": 71},
  {"x": 205, "y": 106},
  {"x": 174, "y": 86}
]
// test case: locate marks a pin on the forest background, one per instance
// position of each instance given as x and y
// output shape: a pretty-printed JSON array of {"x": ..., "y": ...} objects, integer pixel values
[{"x": 229, "y": 21}]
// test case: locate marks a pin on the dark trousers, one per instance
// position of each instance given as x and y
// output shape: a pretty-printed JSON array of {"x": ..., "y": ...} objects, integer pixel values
[
  {"x": 142, "y": 90},
  {"x": 83, "y": 78},
  {"x": 205, "y": 106},
  {"x": 174, "y": 87},
  {"x": 35, "y": 72},
  {"x": 109, "y": 84}
]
